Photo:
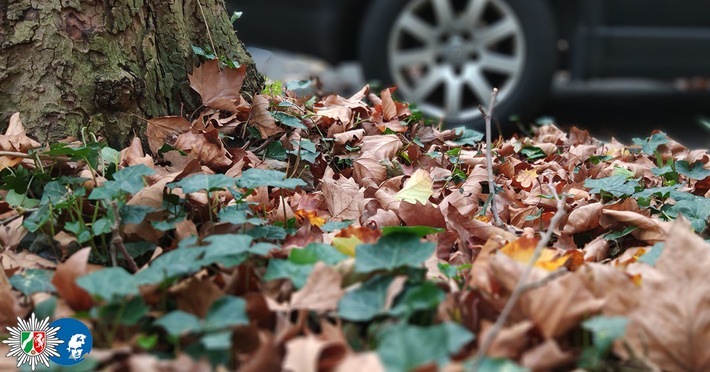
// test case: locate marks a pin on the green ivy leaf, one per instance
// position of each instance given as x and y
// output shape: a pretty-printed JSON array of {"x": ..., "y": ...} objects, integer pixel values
[
  {"x": 79, "y": 230},
  {"x": 130, "y": 179},
  {"x": 391, "y": 252},
  {"x": 695, "y": 171},
  {"x": 38, "y": 218},
  {"x": 253, "y": 178},
  {"x": 16, "y": 199},
  {"x": 169, "y": 265},
  {"x": 298, "y": 84},
  {"x": 308, "y": 151},
  {"x": 284, "y": 269},
  {"x": 420, "y": 231},
  {"x": 268, "y": 232},
  {"x": 110, "y": 284},
  {"x": 650, "y": 257},
  {"x": 109, "y": 190},
  {"x": 605, "y": 331},
  {"x": 101, "y": 226},
  {"x": 207, "y": 182},
  {"x": 226, "y": 312},
  {"x": 178, "y": 322},
  {"x": 236, "y": 216},
  {"x": 532, "y": 153},
  {"x": 289, "y": 120},
  {"x": 228, "y": 248},
  {"x": 661, "y": 192},
  {"x": 127, "y": 313},
  {"x": 422, "y": 297},
  {"x": 467, "y": 136},
  {"x": 32, "y": 281},
  {"x": 55, "y": 194},
  {"x": 316, "y": 252},
  {"x": 617, "y": 186},
  {"x": 404, "y": 347},
  {"x": 134, "y": 214},
  {"x": 650, "y": 144},
  {"x": 217, "y": 340},
  {"x": 335, "y": 225},
  {"x": 365, "y": 302},
  {"x": 499, "y": 365},
  {"x": 202, "y": 52},
  {"x": 695, "y": 209},
  {"x": 276, "y": 150}
]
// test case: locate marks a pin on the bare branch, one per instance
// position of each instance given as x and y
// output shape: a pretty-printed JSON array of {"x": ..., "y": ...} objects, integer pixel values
[
  {"x": 117, "y": 240},
  {"x": 489, "y": 157},
  {"x": 522, "y": 285}
]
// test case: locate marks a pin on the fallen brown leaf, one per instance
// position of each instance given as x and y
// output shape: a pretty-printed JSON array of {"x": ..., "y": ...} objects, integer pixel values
[
  {"x": 321, "y": 292},
  {"x": 219, "y": 87},
  {"x": 65, "y": 276}
]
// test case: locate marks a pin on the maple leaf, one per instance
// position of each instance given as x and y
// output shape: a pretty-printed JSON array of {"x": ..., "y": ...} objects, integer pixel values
[
  {"x": 261, "y": 117},
  {"x": 381, "y": 147},
  {"x": 342, "y": 197},
  {"x": 15, "y": 139},
  {"x": 165, "y": 130},
  {"x": 671, "y": 323},
  {"x": 418, "y": 188},
  {"x": 555, "y": 307},
  {"x": 218, "y": 87}
]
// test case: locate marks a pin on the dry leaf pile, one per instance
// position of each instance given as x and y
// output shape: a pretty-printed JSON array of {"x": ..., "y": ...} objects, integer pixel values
[{"x": 345, "y": 234}]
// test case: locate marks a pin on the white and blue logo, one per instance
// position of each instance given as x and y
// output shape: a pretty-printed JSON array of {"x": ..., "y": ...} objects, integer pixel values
[{"x": 77, "y": 341}]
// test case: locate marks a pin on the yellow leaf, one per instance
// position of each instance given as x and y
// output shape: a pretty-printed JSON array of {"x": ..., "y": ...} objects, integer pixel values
[
  {"x": 311, "y": 216},
  {"x": 522, "y": 250},
  {"x": 418, "y": 188},
  {"x": 346, "y": 245}
]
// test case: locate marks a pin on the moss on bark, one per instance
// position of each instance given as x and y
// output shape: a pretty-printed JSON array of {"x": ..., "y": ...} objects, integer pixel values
[{"x": 102, "y": 65}]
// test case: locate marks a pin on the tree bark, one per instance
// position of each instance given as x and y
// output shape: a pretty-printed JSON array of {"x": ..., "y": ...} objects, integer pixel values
[{"x": 104, "y": 65}]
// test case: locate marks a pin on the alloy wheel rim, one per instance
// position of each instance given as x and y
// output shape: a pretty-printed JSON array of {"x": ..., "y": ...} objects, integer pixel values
[{"x": 448, "y": 55}]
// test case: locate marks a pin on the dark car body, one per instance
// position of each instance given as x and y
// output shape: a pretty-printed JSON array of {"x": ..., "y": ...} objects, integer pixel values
[
  {"x": 447, "y": 56},
  {"x": 599, "y": 38}
]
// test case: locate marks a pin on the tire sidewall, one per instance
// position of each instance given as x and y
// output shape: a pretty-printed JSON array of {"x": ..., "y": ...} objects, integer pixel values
[{"x": 533, "y": 86}]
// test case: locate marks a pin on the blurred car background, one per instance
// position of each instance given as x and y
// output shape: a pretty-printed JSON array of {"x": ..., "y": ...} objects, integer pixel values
[{"x": 447, "y": 55}]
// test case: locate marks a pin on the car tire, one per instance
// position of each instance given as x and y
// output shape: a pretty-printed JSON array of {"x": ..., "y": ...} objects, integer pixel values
[{"x": 461, "y": 52}]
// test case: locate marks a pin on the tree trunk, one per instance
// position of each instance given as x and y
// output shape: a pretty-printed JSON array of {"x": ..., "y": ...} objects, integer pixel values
[{"x": 101, "y": 66}]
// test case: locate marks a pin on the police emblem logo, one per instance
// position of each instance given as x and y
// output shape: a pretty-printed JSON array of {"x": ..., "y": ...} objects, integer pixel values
[{"x": 33, "y": 342}]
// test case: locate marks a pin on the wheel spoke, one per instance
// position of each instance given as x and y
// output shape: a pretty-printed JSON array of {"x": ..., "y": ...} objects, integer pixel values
[
  {"x": 453, "y": 95},
  {"x": 473, "y": 12},
  {"x": 444, "y": 13},
  {"x": 415, "y": 26},
  {"x": 423, "y": 56},
  {"x": 478, "y": 83},
  {"x": 501, "y": 63},
  {"x": 497, "y": 31},
  {"x": 426, "y": 85}
]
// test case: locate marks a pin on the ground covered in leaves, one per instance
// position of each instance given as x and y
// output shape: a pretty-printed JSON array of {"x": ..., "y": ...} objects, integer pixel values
[{"x": 347, "y": 234}]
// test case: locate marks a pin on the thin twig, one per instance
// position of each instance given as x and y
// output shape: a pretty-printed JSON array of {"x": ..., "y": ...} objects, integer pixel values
[
  {"x": 117, "y": 240},
  {"x": 33, "y": 156},
  {"x": 489, "y": 157},
  {"x": 548, "y": 278},
  {"x": 207, "y": 27},
  {"x": 522, "y": 285}
]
